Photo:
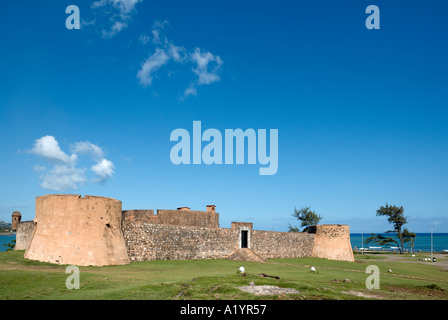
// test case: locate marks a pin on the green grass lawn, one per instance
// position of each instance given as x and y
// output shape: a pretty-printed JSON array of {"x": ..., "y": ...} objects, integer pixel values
[{"x": 219, "y": 279}]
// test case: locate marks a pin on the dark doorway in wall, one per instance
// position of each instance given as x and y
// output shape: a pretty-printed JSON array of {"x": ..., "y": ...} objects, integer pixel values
[{"x": 243, "y": 238}]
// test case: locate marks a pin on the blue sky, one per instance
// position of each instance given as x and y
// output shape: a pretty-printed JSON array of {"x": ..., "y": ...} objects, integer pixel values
[{"x": 361, "y": 114}]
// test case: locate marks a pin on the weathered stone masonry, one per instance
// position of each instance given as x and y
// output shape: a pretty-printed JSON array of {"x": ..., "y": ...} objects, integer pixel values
[
  {"x": 70, "y": 229},
  {"x": 271, "y": 244},
  {"x": 24, "y": 234},
  {"x": 147, "y": 241}
]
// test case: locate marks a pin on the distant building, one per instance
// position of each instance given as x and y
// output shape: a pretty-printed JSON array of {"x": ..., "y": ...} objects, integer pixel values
[{"x": 16, "y": 218}]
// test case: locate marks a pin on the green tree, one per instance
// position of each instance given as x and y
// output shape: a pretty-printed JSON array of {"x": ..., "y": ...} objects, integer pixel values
[
  {"x": 382, "y": 240},
  {"x": 306, "y": 217},
  {"x": 409, "y": 237},
  {"x": 10, "y": 245},
  {"x": 395, "y": 216}
]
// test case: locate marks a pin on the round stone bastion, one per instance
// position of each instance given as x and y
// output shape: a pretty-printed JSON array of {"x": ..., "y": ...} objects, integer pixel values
[{"x": 74, "y": 230}]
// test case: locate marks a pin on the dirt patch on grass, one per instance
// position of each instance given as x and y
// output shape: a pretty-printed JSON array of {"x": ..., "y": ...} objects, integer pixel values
[
  {"x": 265, "y": 290},
  {"x": 363, "y": 294},
  {"x": 245, "y": 254},
  {"x": 12, "y": 265},
  {"x": 429, "y": 292}
]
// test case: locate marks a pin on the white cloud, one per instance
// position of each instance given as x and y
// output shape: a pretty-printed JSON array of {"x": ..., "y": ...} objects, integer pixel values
[
  {"x": 121, "y": 13},
  {"x": 48, "y": 148},
  {"x": 104, "y": 169},
  {"x": 157, "y": 33},
  {"x": 191, "y": 90},
  {"x": 206, "y": 65},
  {"x": 116, "y": 27},
  {"x": 152, "y": 64},
  {"x": 156, "y": 36},
  {"x": 87, "y": 148},
  {"x": 144, "y": 39},
  {"x": 160, "y": 24},
  {"x": 63, "y": 177},
  {"x": 64, "y": 173},
  {"x": 179, "y": 54},
  {"x": 39, "y": 168},
  {"x": 123, "y": 6}
]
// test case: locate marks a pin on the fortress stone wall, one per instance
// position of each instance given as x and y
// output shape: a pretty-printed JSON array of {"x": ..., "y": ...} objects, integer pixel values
[
  {"x": 272, "y": 244},
  {"x": 172, "y": 242},
  {"x": 24, "y": 233},
  {"x": 182, "y": 216},
  {"x": 70, "y": 229},
  {"x": 146, "y": 241}
]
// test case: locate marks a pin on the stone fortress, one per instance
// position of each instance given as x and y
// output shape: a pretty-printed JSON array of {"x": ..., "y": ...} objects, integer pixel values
[{"x": 92, "y": 230}]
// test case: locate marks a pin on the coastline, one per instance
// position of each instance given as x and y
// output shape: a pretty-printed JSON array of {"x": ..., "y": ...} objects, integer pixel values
[
  {"x": 389, "y": 251},
  {"x": 424, "y": 242}
]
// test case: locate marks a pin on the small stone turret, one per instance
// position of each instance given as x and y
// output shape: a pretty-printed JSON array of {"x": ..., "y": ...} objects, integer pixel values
[{"x": 16, "y": 218}]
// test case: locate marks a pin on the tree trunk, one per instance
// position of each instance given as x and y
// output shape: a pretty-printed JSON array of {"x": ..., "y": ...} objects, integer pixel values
[{"x": 400, "y": 236}]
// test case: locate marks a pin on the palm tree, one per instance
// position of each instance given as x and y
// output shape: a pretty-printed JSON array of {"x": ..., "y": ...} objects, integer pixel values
[{"x": 307, "y": 217}]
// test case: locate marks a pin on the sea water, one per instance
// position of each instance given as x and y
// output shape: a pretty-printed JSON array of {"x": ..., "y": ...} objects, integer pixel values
[
  {"x": 5, "y": 240},
  {"x": 422, "y": 242}
]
